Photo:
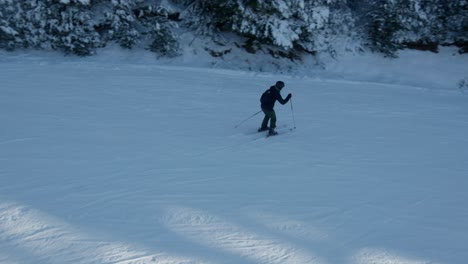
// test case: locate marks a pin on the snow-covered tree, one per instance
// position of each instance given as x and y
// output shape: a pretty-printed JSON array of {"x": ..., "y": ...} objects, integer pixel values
[
  {"x": 9, "y": 37},
  {"x": 158, "y": 29},
  {"x": 282, "y": 28},
  {"x": 48, "y": 24},
  {"x": 288, "y": 26},
  {"x": 449, "y": 20},
  {"x": 383, "y": 25},
  {"x": 165, "y": 43},
  {"x": 120, "y": 24},
  {"x": 392, "y": 25},
  {"x": 71, "y": 27}
]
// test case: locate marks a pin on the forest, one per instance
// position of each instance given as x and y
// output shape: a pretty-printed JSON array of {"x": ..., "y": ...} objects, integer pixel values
[{"x": 281, "y": 28}]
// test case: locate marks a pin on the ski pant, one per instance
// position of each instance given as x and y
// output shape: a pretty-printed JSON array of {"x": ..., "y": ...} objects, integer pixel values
[{"x": 270, "y": 115}]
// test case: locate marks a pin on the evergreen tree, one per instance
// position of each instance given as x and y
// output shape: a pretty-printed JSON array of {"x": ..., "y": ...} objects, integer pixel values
[
  {"x": 15, "y": 24},
  {"x": 289, "y": 26},
  {"x": 49, "y": 24},
  {"x": 9, "y": 37},
  {"x": 165, "y": 43},
  {"x": 282, "y": 28},
  {"x": 449, "y": 21},
  {"x": 31, "y": 22},
  {"x": 121, "y": 24},
  {"x": 71, "y": 28},
  {"x": 383, "y": 26},
  {"x": 421, "y": 24},
  {"x": 158, "y": 29}
]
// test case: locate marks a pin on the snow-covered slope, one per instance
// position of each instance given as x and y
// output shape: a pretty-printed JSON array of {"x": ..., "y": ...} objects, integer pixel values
[{"x": 110, "y": 162}]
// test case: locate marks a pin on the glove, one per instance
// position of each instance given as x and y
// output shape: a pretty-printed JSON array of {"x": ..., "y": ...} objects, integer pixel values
[{"x": 289, "y": 96}]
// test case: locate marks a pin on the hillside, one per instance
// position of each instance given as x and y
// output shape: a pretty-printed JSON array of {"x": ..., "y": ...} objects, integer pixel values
[{"x": 117, "y": 159}]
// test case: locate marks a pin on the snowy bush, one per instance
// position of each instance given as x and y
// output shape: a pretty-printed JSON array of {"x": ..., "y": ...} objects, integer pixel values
[{"x": 463, "y": 84}]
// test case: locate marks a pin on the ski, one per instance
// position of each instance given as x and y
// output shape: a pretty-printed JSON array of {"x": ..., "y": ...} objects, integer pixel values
[
  {"x": 256, "y": 132},
  {"x": 280, "y": 132}
]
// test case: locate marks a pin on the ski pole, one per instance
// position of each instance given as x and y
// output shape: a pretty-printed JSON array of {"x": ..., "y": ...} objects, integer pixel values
[
  {"x": 248, "y": 118},
  {"x": 292, "y": 111}
]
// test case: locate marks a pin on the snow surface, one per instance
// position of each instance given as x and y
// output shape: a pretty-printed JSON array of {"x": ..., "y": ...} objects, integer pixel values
[{"x": 115, "y": 159}]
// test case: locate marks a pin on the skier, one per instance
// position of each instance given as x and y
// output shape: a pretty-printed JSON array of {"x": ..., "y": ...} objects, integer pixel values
[{"x": 268, "y": 99}]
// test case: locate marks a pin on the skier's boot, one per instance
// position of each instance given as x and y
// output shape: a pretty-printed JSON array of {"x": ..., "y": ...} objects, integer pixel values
[
  {"x": 272, "y": 132},
  {"x": 262, "y": 129}
]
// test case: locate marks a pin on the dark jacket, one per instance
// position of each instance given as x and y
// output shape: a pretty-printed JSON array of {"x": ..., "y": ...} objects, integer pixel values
[{"x": 274, "y": 95}]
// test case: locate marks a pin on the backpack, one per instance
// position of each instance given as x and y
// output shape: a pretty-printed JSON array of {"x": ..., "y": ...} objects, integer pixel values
[{"x": 267, "y": 98}]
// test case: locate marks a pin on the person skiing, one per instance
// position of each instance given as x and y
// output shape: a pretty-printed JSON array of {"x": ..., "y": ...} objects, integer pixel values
[{"x": 268, "y": 99}]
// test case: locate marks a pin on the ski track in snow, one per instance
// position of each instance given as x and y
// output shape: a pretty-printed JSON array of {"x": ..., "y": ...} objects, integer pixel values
[
  {"x": 15, "y": 140},
  {"x": 133, "y": 164},
  {"x": 48, "y": 240},
  {"x": 222, "y": 234}
]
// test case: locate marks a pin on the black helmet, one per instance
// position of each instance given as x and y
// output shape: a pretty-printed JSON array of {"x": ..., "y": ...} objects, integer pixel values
[{"x": 280, "y": 84}]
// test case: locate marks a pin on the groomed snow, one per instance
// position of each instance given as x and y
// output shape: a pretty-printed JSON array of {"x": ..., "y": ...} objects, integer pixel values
[{"x": 118, "y": 159}]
